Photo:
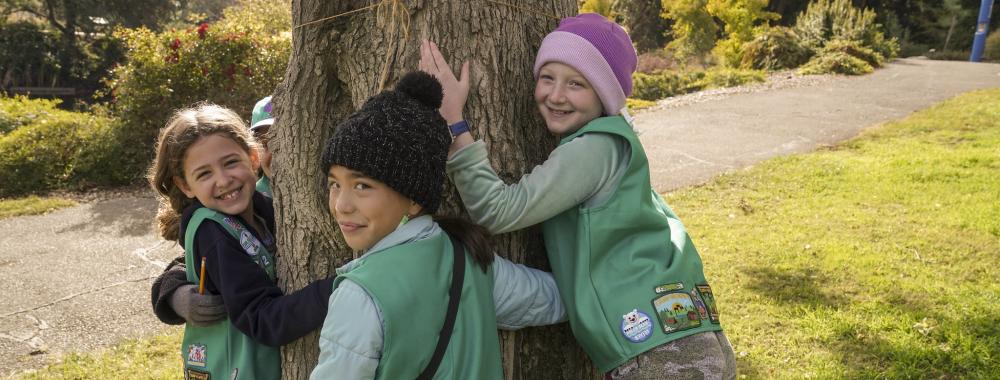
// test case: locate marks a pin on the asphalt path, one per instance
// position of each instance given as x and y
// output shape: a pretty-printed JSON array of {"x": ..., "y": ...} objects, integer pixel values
[{"x": 78, "y": 279}]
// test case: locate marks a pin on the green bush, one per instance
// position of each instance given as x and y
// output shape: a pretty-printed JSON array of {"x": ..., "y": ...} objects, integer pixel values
[
  {"x": 719, "y": 77},
  {"x": 992, "y": 51},
  {"x": 828, "y": 20},
  {"x": 835, "y": 63},
  {"x": 664, "y": 84},
  {"x": 854, "y": 49},
  {"x": 27, "y": 55},
  {"x": 742, "y": 20},
  {"x": 54, "y": 149},
  {"x": 776, "y": 48},
  {"x": 19, "y": 111},
  {"x": 233, "y": 62}
]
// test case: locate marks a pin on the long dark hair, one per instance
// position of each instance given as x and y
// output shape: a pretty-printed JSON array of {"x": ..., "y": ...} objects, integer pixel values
[{"x": 474, "y": 237}]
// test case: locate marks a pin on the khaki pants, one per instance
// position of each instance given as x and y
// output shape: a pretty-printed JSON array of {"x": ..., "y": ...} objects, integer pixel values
[{"x": 701, "y": 356}]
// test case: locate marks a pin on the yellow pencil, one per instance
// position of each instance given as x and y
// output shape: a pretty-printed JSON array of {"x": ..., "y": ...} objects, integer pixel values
[{"x": 201, "y": 278}]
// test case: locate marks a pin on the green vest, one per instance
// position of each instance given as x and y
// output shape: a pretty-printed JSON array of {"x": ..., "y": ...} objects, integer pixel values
[
  {"x": 222, "y": 351},
  {"x": 410, "y": 284},
  {"x": 627, "y": 271},
  {"x": 264, "y": 186}
]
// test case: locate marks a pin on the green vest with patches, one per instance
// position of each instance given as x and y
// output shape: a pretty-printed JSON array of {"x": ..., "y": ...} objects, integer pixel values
[
  {"x": 221, "y": 351},
  {"x": 410, "y": 284},
  {"x": 627, "y": 271}
]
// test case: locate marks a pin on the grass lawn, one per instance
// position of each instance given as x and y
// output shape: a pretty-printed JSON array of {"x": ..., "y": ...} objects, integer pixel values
[
  {"x": 31, "y": 205},
  {"x": 876, "y": 258}
]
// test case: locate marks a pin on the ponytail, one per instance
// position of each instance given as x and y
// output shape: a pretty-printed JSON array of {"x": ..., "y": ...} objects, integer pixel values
[{"x": 473, "y": 236}]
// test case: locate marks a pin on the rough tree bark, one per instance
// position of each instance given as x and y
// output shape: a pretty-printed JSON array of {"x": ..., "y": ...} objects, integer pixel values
[{"x": 336, "y": 64}]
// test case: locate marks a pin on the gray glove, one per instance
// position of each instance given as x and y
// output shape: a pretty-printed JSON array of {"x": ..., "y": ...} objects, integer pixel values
[{"x": 197, "y": 309}]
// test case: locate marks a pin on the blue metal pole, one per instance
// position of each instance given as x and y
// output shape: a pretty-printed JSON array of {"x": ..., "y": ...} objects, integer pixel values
[{"x": 982, "y": 29}]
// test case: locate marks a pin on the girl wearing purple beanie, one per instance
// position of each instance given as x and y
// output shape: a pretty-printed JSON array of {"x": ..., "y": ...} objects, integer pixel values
[{"x": 632, "y": 281}]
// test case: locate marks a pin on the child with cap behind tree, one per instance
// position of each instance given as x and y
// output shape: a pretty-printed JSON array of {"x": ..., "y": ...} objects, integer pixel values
[
  {"x": 260, "y": 123},
  {"x": 423, "y": 296},
  {"x": 631, "y": 278}
]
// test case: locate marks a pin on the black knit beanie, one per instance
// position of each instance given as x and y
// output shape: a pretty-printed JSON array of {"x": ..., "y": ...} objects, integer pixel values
[{"x": 399, "y": 138}]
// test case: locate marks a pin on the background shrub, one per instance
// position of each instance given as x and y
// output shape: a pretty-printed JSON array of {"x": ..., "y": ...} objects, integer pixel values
[
  {"x": 835, "y": 63},
  {"x": 828, "y": 20},
  {"x": 19, "y": 111},
  {"x": 664, "y": 84},
  {"x": 233, "y": 62},
  {"x": 27, "y": 55},
  {"x": 776, "y": 48},
  {"x": 53, "y": 148},
  {"x": 655, "y": 61},
  {"x": 728, "y": 77},
  {"x": 854, "y": 49},
  {"x": 992, "y": 51}
]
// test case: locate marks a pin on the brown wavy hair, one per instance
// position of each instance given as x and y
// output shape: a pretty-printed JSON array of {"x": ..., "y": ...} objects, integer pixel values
[{"x": 183, "y": 129}]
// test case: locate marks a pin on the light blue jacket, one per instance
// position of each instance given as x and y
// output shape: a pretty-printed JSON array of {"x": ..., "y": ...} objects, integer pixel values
[{"x": 350, "y": 342}]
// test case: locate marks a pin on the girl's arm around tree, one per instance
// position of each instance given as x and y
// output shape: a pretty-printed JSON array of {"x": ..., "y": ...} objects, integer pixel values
[
  {"x": 524, "y": 296},
  {"x": 255, "y": 304}
]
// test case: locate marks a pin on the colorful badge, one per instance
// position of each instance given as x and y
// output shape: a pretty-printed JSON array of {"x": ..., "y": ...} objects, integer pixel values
[
  {"x": 706, "y": 295},
  {"x": 191, "y": 374},
  {"x": 636, "y": 326},
  {"x": 669, "y": 287},
  {"x": 676, "y": 312},
  {"x": 233, "y": 223},
  {"x": 698, "y": 304},
  {"x": 197, "y": 355},
  {"x": 249, "y": 243}
]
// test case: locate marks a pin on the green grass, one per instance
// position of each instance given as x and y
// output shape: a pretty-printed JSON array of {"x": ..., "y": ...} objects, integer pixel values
[
  {"x": 139, "y": 359},
  {"x": 873, "y": 259},
  {"x": 877, "y": 258},
  {"x": 31, "y": 205}
]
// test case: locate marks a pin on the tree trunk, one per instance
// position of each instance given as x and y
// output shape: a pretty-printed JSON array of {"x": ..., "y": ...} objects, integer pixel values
[{"x": 337, "y": 64}]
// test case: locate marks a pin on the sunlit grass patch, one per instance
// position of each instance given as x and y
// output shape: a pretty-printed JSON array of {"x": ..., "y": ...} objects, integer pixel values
[
  {"x": 874, "y": 258},
  {"x": 32, "y": 205}
]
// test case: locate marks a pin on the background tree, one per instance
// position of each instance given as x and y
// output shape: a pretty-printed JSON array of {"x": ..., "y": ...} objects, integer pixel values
[
  {"x": 693, "y": 31},
  {"x": 642, "y": 19},
  {"x": 337, "y": 63}
]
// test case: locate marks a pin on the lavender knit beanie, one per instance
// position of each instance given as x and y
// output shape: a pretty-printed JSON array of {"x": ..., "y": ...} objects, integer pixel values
[{"x": 600, "y": 50}]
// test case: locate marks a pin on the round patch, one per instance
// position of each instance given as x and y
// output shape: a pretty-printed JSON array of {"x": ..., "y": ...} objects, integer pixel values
[{"x": 636, "y": 326}]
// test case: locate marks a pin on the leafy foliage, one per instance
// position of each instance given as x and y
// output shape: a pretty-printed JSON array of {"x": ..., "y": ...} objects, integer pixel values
[
  {"x": 27, "y": 55},
  {"x": 854, "y": 49},
  {"x": 742, "y": 21},
  {"x": 601, "y": 7},
  {"x": 828, "y": 20},
  {"x": 693, "y": 28},
  {"x": 643, "y": 21},
  {"x": 835, "y": 63},
  {"x": 719, "y": 77},
  {"x": 775, "y": 48},
  {"x": 51, "y": 148},
  {"x": 992, "y": 51},
  {"x": 664, "y": 84},
  {"x": 233, "y": 62}
]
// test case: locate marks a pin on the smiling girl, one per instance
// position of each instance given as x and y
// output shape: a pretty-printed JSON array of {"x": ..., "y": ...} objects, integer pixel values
[
  {"x": 204, "y": 176},
  {"x": 635, "y": 290}
]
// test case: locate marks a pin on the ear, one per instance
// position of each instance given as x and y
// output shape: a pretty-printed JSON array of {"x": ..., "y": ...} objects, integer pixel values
[
  {"x": 254, "y": 160},
  {"x": 414, "y": 209},
  {"x": 182, "y": 184}
]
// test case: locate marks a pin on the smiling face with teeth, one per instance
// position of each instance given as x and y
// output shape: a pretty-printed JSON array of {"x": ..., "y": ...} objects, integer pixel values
[
  {"x": 565, "y": 98},
  {"x": 221, "y": 174}
]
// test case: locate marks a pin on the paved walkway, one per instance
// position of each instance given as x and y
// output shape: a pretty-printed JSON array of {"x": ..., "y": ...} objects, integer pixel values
[{"x": 78, "y": 279}]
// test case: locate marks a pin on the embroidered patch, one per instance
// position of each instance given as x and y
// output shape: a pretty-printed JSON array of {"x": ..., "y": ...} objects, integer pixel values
[
  {"x": 669, "y": 287},
  {"x": 676, "y": 312},
  {"x": 636, "y": 326},
  {"x": 197, "y": 355},
  {"x": 233, "y": 223},
  {"x": 190, "y": 374},
  {"x": 698, "y": 304},
  {"x": 706, "y": 295},
  {"x": 249, "y": 243}
]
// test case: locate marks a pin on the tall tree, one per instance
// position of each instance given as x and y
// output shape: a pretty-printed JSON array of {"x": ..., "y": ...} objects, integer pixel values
[
  {"x": 642, "y": 18},
  {"x": 338, "y": 60}
]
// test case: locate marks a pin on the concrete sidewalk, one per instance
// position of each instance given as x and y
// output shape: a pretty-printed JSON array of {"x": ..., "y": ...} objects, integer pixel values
[
  {"x": 78, "y": 279},
  {"x": 691, "y": 144}
]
